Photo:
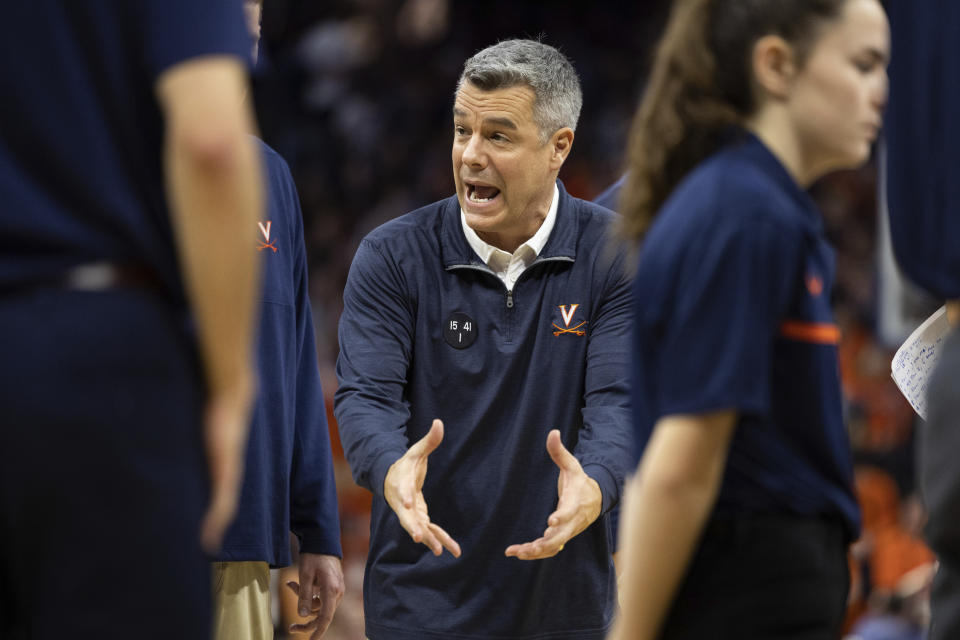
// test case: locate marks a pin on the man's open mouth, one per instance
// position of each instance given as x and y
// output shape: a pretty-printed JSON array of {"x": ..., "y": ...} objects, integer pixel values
[{"x": 480, "y": 193}]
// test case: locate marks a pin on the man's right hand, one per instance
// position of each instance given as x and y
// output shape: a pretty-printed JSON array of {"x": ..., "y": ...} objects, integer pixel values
[{"x": 403, "y": 490}]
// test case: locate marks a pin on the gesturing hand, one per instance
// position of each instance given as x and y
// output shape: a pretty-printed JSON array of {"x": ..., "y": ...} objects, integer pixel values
[
  {"x": 403, "y": 490},
  {"x": 579, "y": 505},
  {"x": 318, "y": 593}
]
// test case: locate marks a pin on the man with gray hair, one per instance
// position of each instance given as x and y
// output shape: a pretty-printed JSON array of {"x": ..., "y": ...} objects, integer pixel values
[{"x": 489, "y": 333}]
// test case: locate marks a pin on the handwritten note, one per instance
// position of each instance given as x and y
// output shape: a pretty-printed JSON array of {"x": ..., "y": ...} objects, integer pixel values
[{"x": 917, "y": 357}]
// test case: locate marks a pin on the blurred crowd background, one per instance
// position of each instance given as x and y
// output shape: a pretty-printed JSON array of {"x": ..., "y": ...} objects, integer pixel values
[{"x": 357, "y": 94}]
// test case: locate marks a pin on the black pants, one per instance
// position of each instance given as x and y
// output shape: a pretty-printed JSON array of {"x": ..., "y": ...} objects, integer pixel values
[
  {"x": 763, "y": 577},
  {"x": 102, "y": 475},
  {"x": 940, "y": 483}
]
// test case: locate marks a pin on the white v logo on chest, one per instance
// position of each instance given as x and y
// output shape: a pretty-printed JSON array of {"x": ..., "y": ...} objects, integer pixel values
[
  {"x": 265, "y": 230},
  {"x": 568, "y": 315}
]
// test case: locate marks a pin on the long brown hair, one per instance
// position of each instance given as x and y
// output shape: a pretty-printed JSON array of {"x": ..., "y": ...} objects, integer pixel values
[{"x": 701, "y": 84}]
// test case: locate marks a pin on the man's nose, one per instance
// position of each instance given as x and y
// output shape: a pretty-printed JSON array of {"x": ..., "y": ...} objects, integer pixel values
[{"x": 473, "y": 152}]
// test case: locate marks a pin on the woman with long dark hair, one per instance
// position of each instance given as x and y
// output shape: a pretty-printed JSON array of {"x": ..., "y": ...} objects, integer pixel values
[{"x": 737, "y": 522}]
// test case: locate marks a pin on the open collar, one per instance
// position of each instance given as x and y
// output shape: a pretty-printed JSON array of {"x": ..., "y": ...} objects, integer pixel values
[{"x": 560, "y": 243}]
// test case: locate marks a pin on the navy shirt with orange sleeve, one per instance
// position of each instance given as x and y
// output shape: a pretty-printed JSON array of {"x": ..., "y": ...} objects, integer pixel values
[{"x": 732, "y": 312}]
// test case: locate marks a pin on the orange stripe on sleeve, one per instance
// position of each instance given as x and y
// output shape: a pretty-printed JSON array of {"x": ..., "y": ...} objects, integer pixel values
[{"x": 816, "y": 332}]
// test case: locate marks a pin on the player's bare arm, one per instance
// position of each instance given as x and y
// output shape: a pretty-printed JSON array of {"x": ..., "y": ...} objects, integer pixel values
[
  {"x": 216, "y": 194},
  {"x": 666, "y": 507}
]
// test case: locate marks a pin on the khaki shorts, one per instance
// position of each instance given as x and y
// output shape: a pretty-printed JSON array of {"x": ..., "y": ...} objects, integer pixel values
[{"x": 241, "y": 601}]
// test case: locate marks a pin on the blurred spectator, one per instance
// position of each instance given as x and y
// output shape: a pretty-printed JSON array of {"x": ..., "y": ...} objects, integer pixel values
[{"x": 892, "y": 566}]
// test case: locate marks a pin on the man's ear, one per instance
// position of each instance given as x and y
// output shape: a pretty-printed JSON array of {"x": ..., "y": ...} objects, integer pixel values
[
  {"x": 560, "y": 144},
  {"x": 774, "y": 65}
]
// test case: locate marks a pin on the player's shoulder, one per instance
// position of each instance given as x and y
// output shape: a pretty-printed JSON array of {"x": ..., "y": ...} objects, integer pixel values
[
  {"x": 273, "y": 162},
  {"x": 269, "y": 153},
  {"x": 729, "y": 191}
]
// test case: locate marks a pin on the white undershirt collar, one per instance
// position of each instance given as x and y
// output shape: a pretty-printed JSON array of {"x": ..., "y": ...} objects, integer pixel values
[{"x": 508, "y": 267}]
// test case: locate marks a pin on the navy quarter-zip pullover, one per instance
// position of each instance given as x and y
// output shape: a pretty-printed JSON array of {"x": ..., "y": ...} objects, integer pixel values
[{"x": 550, "y": 354}]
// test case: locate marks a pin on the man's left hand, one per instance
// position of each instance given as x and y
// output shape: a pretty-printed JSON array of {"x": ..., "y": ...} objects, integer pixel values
[
  {"x": 579, "y": 505},
  {"x": 318, "y": 593}
]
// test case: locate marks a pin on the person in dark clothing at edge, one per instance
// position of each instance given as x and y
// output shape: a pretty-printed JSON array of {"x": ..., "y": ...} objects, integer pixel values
[
  {"x": 488, "y": 333},
  {"x": 130, "y": 191},
  {"x": 288, "y": 482},
  {"x": 922, "y": 136},
  {"x": 738, "y": 520}
]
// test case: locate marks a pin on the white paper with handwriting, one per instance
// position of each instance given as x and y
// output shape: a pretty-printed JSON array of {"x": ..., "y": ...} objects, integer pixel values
[{"x": 916, "y": 359}]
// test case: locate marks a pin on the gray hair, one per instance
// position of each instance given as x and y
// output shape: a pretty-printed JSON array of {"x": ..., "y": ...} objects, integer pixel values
[{"x": 556, "y": 87}]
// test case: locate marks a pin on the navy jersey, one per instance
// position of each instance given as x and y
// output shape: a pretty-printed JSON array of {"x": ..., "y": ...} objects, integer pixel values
[
  {"x": 81, "y": 132},
  {"x": 429, "y": 331},
  {"x": 922, "y": 129},
  {"x": 732, "y": 312},
  {"x": 288, "y": 482}
]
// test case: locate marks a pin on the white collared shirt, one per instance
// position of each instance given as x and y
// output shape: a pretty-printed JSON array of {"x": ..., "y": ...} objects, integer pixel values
[{"x": 508, "y": 267}]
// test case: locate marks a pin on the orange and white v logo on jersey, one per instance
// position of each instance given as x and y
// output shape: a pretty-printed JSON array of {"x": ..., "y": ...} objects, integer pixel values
[
  {"x": 265, "y": 231},
  {"x": 567, "y": 315}
]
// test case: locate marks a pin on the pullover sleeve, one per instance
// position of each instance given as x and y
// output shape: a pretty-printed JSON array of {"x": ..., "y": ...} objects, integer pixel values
[
  {"x": 605, "y": 445},
  {"x": 376, "y": 341}
]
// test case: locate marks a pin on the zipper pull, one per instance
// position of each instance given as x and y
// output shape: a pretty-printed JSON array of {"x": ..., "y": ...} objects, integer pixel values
[{"x": 510, "y": 299}]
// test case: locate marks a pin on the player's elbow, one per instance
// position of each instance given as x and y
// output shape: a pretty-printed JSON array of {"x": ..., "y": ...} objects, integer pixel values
[
  {"x": 206, "y": 118},
  {"x": 210, "y": 148},
  {"x": 677, "y": 486},
  {"x": 687, "y": 454}
]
